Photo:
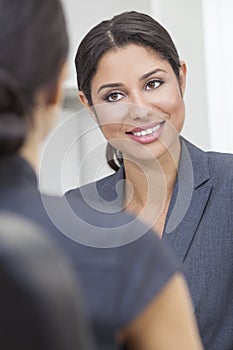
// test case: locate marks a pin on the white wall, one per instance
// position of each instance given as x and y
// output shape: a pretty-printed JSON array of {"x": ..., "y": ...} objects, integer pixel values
[
  {"x": 82, "y": 16},
  {"x": 183, "y": 19},
  {"x": 218, "y": 28}
]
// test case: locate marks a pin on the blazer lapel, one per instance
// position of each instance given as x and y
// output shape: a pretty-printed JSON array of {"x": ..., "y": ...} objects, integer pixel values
[
  {"x": 111, "y": 189},
  {"x": 190, "y": 196},
  {"x": 189, "y": 199}
]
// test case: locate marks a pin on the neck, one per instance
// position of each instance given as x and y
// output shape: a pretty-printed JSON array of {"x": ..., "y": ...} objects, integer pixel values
[
  {"x": 30, "y": 152},
  {"x": 150, "y": 185},
  {"x": 147, "y": 176}
]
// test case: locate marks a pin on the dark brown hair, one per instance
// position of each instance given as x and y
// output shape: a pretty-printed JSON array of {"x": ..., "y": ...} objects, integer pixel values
[
  {"x": 33, "y": 47},
  {"x": 123, "y": 29}
]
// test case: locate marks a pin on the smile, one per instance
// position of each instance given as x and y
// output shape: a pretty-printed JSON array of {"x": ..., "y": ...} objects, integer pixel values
[
  {"x": 148, "y": 135},
  {"x": 147, "y": 131}
]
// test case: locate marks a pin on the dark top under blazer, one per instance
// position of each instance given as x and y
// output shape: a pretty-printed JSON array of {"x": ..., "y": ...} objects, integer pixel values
[
  {"x": 118, "y": 282},
  {"x": 199, "y": 229}
]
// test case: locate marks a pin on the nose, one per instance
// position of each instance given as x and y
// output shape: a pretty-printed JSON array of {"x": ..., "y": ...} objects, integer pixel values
[
  {"x": 139, "y": 112},
  {"x": 139, "y": 109}
]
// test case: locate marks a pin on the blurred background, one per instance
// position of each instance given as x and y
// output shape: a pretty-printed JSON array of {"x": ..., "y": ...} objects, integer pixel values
[{"x": 74, "y": 154}]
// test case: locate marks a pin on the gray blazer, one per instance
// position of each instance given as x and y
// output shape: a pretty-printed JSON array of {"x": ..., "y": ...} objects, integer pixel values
[{"x": 199, "y": 229}]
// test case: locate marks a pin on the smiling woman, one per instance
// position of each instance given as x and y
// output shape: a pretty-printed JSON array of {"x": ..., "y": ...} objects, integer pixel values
[
  {"x": 151, "y": 96},
  {"x": 132, "y": 80}
]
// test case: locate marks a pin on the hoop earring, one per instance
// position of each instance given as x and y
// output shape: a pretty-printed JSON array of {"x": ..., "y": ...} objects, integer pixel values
[{"x": 118, "y": 154}]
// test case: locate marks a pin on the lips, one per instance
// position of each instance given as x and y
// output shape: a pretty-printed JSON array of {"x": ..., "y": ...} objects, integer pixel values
[{"x": 146, "y": 134}]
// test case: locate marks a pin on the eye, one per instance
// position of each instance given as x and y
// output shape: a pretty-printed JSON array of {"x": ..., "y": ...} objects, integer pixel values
[
  {"x": 114, "y": 97},
  {"x": 153, "y": 84}
]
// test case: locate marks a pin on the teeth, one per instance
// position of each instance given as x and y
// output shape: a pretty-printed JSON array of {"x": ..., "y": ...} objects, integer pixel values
[{"x": 147, "y": 131}]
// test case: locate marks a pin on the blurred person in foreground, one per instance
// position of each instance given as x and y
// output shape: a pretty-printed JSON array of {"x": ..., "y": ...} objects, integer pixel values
[{"x": 135, "y": 294}]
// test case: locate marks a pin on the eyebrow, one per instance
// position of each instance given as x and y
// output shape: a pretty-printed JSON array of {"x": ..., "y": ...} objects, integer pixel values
[
  {"x": 113, "y": 85},
  {"x": 144, "y": 76},
  {"x": 118, "y": 85}
]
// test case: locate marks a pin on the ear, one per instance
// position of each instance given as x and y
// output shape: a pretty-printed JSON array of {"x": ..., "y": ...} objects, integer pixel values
[
  {"x": 183, "y": 71},
  {"x": 56, "y": 97},
  {"x": 85, "y": 102}
]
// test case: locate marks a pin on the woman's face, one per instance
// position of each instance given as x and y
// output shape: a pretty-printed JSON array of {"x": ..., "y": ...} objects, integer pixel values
[{"x": 138, "y": 102}]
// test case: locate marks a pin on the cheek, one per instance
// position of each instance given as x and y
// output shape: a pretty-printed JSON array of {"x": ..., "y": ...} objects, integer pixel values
[
  {"x": 178, "y": 114},
  {"x": 176, "y": 104},
  {"x": 112, "y": 133},
  {"x": 111, "y": 113},
  {"x": 172, "y": 104},
  {"x": 169, "y": 99},
  {"x": 110, "y": 130}
]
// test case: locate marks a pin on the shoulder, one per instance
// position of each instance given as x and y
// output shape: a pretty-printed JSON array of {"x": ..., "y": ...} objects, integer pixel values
[
  {"x": 147, "y": 265},
  {"x": 125, "y": 278},
  {"x": 221, "y": 161},
  {"x": 218, "y": 163},
  {"x": 88, "y": 188},
  {"x": 105, "y": 187}
]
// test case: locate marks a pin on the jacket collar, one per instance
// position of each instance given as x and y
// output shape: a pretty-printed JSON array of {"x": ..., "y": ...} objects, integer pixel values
[
  {"x": 112, "y": 187},
  {"x": 199, "y": 162},
  {"x": 193, "y": 162},
  {"x": 189, "y": 199},
  {"x": 15, "y": 171}
]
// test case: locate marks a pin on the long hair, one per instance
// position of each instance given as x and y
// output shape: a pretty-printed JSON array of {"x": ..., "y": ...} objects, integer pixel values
[{"x": 33, "y": 47}]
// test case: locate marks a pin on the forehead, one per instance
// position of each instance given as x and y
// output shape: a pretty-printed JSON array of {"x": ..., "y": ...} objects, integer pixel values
[{"x": 131, "y": 59}]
